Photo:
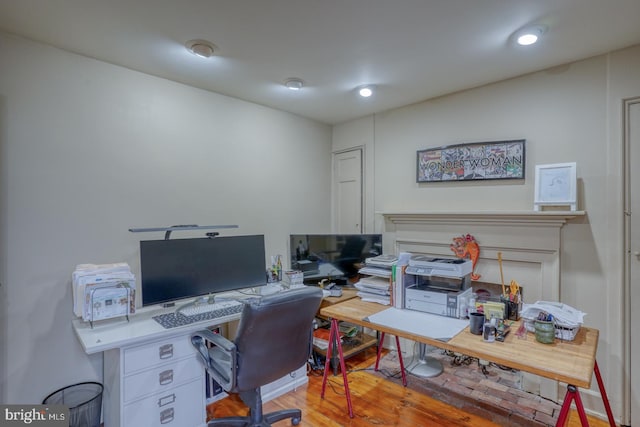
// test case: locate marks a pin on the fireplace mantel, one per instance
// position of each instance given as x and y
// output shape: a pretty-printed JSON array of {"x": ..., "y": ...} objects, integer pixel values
[
  {"x": 522, "y": 218},
  {"x": 529, "y": 244},
  {"x": 529, "y": 241}
]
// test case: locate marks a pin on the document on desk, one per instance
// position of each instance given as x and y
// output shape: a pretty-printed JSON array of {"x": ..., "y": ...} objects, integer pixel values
[{"x": 416, "y": 322}]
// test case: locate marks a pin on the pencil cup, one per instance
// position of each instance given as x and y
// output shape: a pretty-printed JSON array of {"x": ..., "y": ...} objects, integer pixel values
[
  {"x": 476, "y": 322},
  {"x": 511, "y": 308},
  {"x": 545, "y": 331}
]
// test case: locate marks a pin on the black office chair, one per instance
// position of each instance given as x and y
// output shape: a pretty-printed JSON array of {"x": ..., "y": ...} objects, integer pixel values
[{"x": 274, "y": 338}]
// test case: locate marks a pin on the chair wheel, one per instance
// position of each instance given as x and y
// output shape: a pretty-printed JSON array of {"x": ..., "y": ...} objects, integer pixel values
[{"x": 295, "y": 421}]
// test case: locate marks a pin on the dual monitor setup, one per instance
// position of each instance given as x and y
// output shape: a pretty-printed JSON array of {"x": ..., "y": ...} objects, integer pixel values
[{"x": 177, "y": 269}]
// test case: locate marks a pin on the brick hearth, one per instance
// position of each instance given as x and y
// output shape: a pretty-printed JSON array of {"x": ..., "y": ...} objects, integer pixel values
[{"x": 494, "y": 394}]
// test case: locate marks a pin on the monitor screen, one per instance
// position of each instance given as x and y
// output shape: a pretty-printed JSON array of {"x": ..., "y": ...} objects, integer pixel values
[
  {"x": 183, "y": 268},
  {"x": 332, "y": 255}
]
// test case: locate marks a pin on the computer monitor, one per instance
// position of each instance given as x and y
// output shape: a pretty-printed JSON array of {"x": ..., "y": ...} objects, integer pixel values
[
  {"x": 330, "y": 256},
  {"x": 183, "y": 268}
]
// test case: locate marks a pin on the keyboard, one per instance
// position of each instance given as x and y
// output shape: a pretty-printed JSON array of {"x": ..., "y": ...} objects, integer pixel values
[{"x": 199, "y": 313}]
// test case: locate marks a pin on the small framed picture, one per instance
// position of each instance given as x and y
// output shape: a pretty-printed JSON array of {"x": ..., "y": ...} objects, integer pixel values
[{"x": 555, "y": 186}]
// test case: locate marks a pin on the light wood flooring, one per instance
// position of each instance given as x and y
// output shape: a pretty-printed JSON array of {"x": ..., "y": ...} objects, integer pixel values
[{"x": 376, "y": 402}]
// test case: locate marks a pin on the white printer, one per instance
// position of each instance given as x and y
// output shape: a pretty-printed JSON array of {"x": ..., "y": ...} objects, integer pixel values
[{"x": 438, "y": 285}]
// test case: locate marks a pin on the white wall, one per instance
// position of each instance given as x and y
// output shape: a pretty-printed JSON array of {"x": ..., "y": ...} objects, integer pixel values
[
  {"x": 89, "y": 150},
  {"x": 569, "y": 113}
]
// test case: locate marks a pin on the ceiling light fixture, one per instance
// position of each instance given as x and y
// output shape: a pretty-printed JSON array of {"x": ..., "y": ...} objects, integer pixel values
[
  {"x": 365, "y": 91},
  {"x": 200, "y": 48},
  {"x": 293, "y": 83},
  {"x": 530, "y": 35}
]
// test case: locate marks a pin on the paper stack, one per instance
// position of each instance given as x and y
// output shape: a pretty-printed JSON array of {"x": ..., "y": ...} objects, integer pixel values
[
  {"x": 384, "y": 261},
  {"x": 374, "y": 289},
  {"x": 564, "y": 314},
  {"x": 380, "y": 265},
  {"x": 375, "y": 286},
  {"x": 101, "y": 291}
]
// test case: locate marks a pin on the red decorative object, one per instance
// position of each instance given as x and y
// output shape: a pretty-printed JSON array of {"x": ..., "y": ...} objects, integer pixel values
[{"x": 465, "y": 246}]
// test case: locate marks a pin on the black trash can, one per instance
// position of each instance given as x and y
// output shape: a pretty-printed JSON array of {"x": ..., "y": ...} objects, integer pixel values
[{"x": 84, "y": 401}]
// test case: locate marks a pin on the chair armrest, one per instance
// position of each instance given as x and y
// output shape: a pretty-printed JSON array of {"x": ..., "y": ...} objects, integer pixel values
[
  {"x": 216, "y": 339},
  {"x": 223, "y": 370}
]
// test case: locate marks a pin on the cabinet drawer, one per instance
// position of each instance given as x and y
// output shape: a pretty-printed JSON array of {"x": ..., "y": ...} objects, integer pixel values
[
  {"x": 155, "y": 353},
  {"x": 161, "y": 378},
  {"x": 184, "y": 406}
]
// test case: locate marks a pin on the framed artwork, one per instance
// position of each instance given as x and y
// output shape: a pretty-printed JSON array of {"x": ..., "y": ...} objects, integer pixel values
[
  {"x": 555, "y": 186},
  {"x": 472, "y": 162}
]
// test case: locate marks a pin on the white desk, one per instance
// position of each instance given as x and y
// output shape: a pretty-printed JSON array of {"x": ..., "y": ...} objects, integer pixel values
[{"x": 152, "y": 375}]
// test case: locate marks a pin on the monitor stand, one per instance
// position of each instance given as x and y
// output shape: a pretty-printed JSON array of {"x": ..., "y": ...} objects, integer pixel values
[{"x": 423, "y": 366}]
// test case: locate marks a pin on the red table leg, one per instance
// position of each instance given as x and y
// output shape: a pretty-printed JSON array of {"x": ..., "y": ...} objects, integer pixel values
[
  {"x": 379, "y": 350},
  {"x": 571, "y": 395},
  {"x": 603, "y": 393},
  {"x": 404, "y": 375},
  {"x": 334, "y": 338},
  {"x": 574, "y": 394}
]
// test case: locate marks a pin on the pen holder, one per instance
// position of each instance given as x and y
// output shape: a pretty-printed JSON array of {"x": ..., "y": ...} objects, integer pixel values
[
  {"x": 545, "y": 331},
  {"x": 274, "y": 273},
  {"x": 511, "y": 308}
]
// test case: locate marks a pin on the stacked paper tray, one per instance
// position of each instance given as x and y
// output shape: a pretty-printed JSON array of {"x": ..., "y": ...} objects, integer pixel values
[{"x": 567, "y": 319}]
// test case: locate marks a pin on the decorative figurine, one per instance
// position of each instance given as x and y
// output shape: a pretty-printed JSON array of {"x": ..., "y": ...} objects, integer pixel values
[{"x": 467, "y": 247}]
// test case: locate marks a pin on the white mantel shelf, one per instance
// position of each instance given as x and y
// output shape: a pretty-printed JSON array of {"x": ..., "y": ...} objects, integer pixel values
[{"x": 530, "y": 218}]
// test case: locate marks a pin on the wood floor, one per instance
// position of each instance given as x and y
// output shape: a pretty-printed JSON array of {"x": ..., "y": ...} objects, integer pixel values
[{"x": 376, "y": 402}]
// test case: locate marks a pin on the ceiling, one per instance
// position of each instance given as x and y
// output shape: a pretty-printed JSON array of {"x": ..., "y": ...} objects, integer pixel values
[{"x": 411, "y": 50}]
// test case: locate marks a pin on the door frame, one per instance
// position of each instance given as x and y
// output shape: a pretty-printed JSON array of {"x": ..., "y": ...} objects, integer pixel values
[
  {"x": 626, "y": 375},
  {"x": 334, "y": 199}
]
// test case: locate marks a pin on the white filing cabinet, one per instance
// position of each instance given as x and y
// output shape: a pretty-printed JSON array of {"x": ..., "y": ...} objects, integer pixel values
[
  {"x": 152, "y": 376},
  {"x": 161, "y": 383},
  {"x": 155, "y": 384}
]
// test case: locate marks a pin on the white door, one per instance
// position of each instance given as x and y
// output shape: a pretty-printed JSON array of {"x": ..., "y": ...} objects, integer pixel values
[
  {"x": 347, "y": 196},
  {"x": 633, "y": 191}
]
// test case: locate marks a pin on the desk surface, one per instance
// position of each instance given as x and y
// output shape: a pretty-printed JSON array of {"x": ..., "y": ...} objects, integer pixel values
[
  {"x": 118, "y": 332},
  {"x": 347, "y": 294},
  {"x": 571, "y": 362}
]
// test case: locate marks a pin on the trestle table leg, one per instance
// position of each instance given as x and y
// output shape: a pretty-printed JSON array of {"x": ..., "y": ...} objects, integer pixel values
[
  {"x": 404, "y": 375},
  {"x": 603, "y": 393},
  {"x": 334, "y": 339},
  {"x": 571, "y": 395},
  {"x": 574, "y": 394}
]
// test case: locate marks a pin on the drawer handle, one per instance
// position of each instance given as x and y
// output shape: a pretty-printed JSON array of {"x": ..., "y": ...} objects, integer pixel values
[
  {"x": 166, "y": 400},
  {"x": 166, "y": 416},
  {"x": 166, "y": 377},
  {"x": 166, "y": 351}
]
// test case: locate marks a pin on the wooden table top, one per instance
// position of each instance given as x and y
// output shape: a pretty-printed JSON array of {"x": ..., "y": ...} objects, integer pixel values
[
  {"x": 347, "y": 294},
  {"x": 571, "y": 362}
]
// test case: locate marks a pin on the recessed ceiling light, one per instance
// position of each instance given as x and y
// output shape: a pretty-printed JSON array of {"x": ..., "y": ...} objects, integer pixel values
[
  {"x": 530, "y": 35},
  {"x": 201, "y": 48},
  {"x": 293, "y": 83},
  {"x": 365, "y": 91}
]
